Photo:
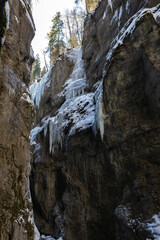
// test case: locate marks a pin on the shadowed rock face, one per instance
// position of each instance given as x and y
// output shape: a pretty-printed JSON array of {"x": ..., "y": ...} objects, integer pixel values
[
  {"x": 91, "y": 189},
  {"x": 102, "y": 27},
  {"x": 16, "y": 116}
]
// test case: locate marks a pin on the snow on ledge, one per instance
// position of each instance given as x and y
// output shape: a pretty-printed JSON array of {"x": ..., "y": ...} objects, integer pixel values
[
  {"x": 153, "y": 226},
  {"x": 130, "y": 26}
]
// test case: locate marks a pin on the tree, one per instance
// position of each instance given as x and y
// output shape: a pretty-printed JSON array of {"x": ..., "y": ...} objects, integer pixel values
[
  {"x": 56, "y": 43},
  {"x": 73, "y": 20},
  {"x": 36, "y": 69},
  {"x": 44, "y": 70},
  {"x": 90, "y": 4}
]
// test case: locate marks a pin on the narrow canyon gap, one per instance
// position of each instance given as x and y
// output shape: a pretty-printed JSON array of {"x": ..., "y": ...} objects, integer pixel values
[{"x": 93, "y": 119}]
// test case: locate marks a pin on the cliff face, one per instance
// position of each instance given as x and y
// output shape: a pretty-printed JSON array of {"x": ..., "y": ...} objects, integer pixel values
[
  {"x": 96, "y": 145},
  {"x": 101, "y": 29},
  {"x": 16, "y": 116}
]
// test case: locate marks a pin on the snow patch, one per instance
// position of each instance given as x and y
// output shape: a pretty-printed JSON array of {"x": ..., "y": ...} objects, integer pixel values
[
  {"x": 110, "y": 4},
  {"x": 105, "y": 14},
  {"x": 127, "y": 7},
  {"x": 16, "y": 19},
  {"x": 7, "y": 10},
  {"x": 154, "y": 226},
  {"x": 44, "y": 237},
  {"x": 115, "y": 17},
  {"x": 120, "y": 15},
  {"x": 26, "y": 97},
  {"x": 34, "y": 132}
]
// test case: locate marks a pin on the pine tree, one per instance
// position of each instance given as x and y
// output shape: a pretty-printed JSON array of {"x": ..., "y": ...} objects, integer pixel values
[
  {"x": 43, "y": 72},
  {"x": 36, "y": 69},
  {"x": 56, "y": 37}
]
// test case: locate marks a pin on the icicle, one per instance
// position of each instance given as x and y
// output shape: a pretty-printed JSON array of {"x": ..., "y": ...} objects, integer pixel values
[
  {"x": 99, "y": 113},
  {"x": 37, "y": 89}
]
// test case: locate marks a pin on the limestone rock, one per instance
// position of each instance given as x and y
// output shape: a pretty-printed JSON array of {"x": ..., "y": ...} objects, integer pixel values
[{"x": 16, "y": 116}]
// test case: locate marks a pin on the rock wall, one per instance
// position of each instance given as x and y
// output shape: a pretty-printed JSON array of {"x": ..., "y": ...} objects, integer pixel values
[
  {"x": 16, "y": 116},
  {"x": 97, "y": 176},
  {"x": 101, "y": 29}
]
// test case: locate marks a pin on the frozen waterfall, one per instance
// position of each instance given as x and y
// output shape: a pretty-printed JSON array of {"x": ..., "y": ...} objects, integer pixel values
[
  {"x": 80, "y": 110},
  {"x": 76, "y": 100}
]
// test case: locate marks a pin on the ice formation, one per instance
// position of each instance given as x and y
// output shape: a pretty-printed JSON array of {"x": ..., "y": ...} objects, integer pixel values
[
  {"x": 100, "y": 116},
  {"x": 81, "y": 110},
  {"x": 37, "y": 89},
  {"x": 77, "y": 110},
  {"x": 76, "y": 85}
]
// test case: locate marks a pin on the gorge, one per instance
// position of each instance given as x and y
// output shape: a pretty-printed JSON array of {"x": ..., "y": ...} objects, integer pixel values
[{"x": 91, "y": 167}]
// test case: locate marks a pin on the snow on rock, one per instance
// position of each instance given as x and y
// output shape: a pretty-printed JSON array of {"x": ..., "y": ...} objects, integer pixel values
[
  {"x": 110, "y": 4},
  {"x": 43, "y": 237},
  {"x": 127, "y": 7},
  {"x": 120, "y": 15},
  {"x": 34, "y": 132},
  {"x": 77, "y": 113},
  {"x": 28, "y": 14},
  {"x": 17, "y": 21},
  {"x": 7, "y": 10},
  {"x": 115, "y": 17},
  {"x": 105, "y": 14},
  {"x": 26, "y": 97},
  {"x": 130, "y": 26},
  {"x": 153, "y": 226}
]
